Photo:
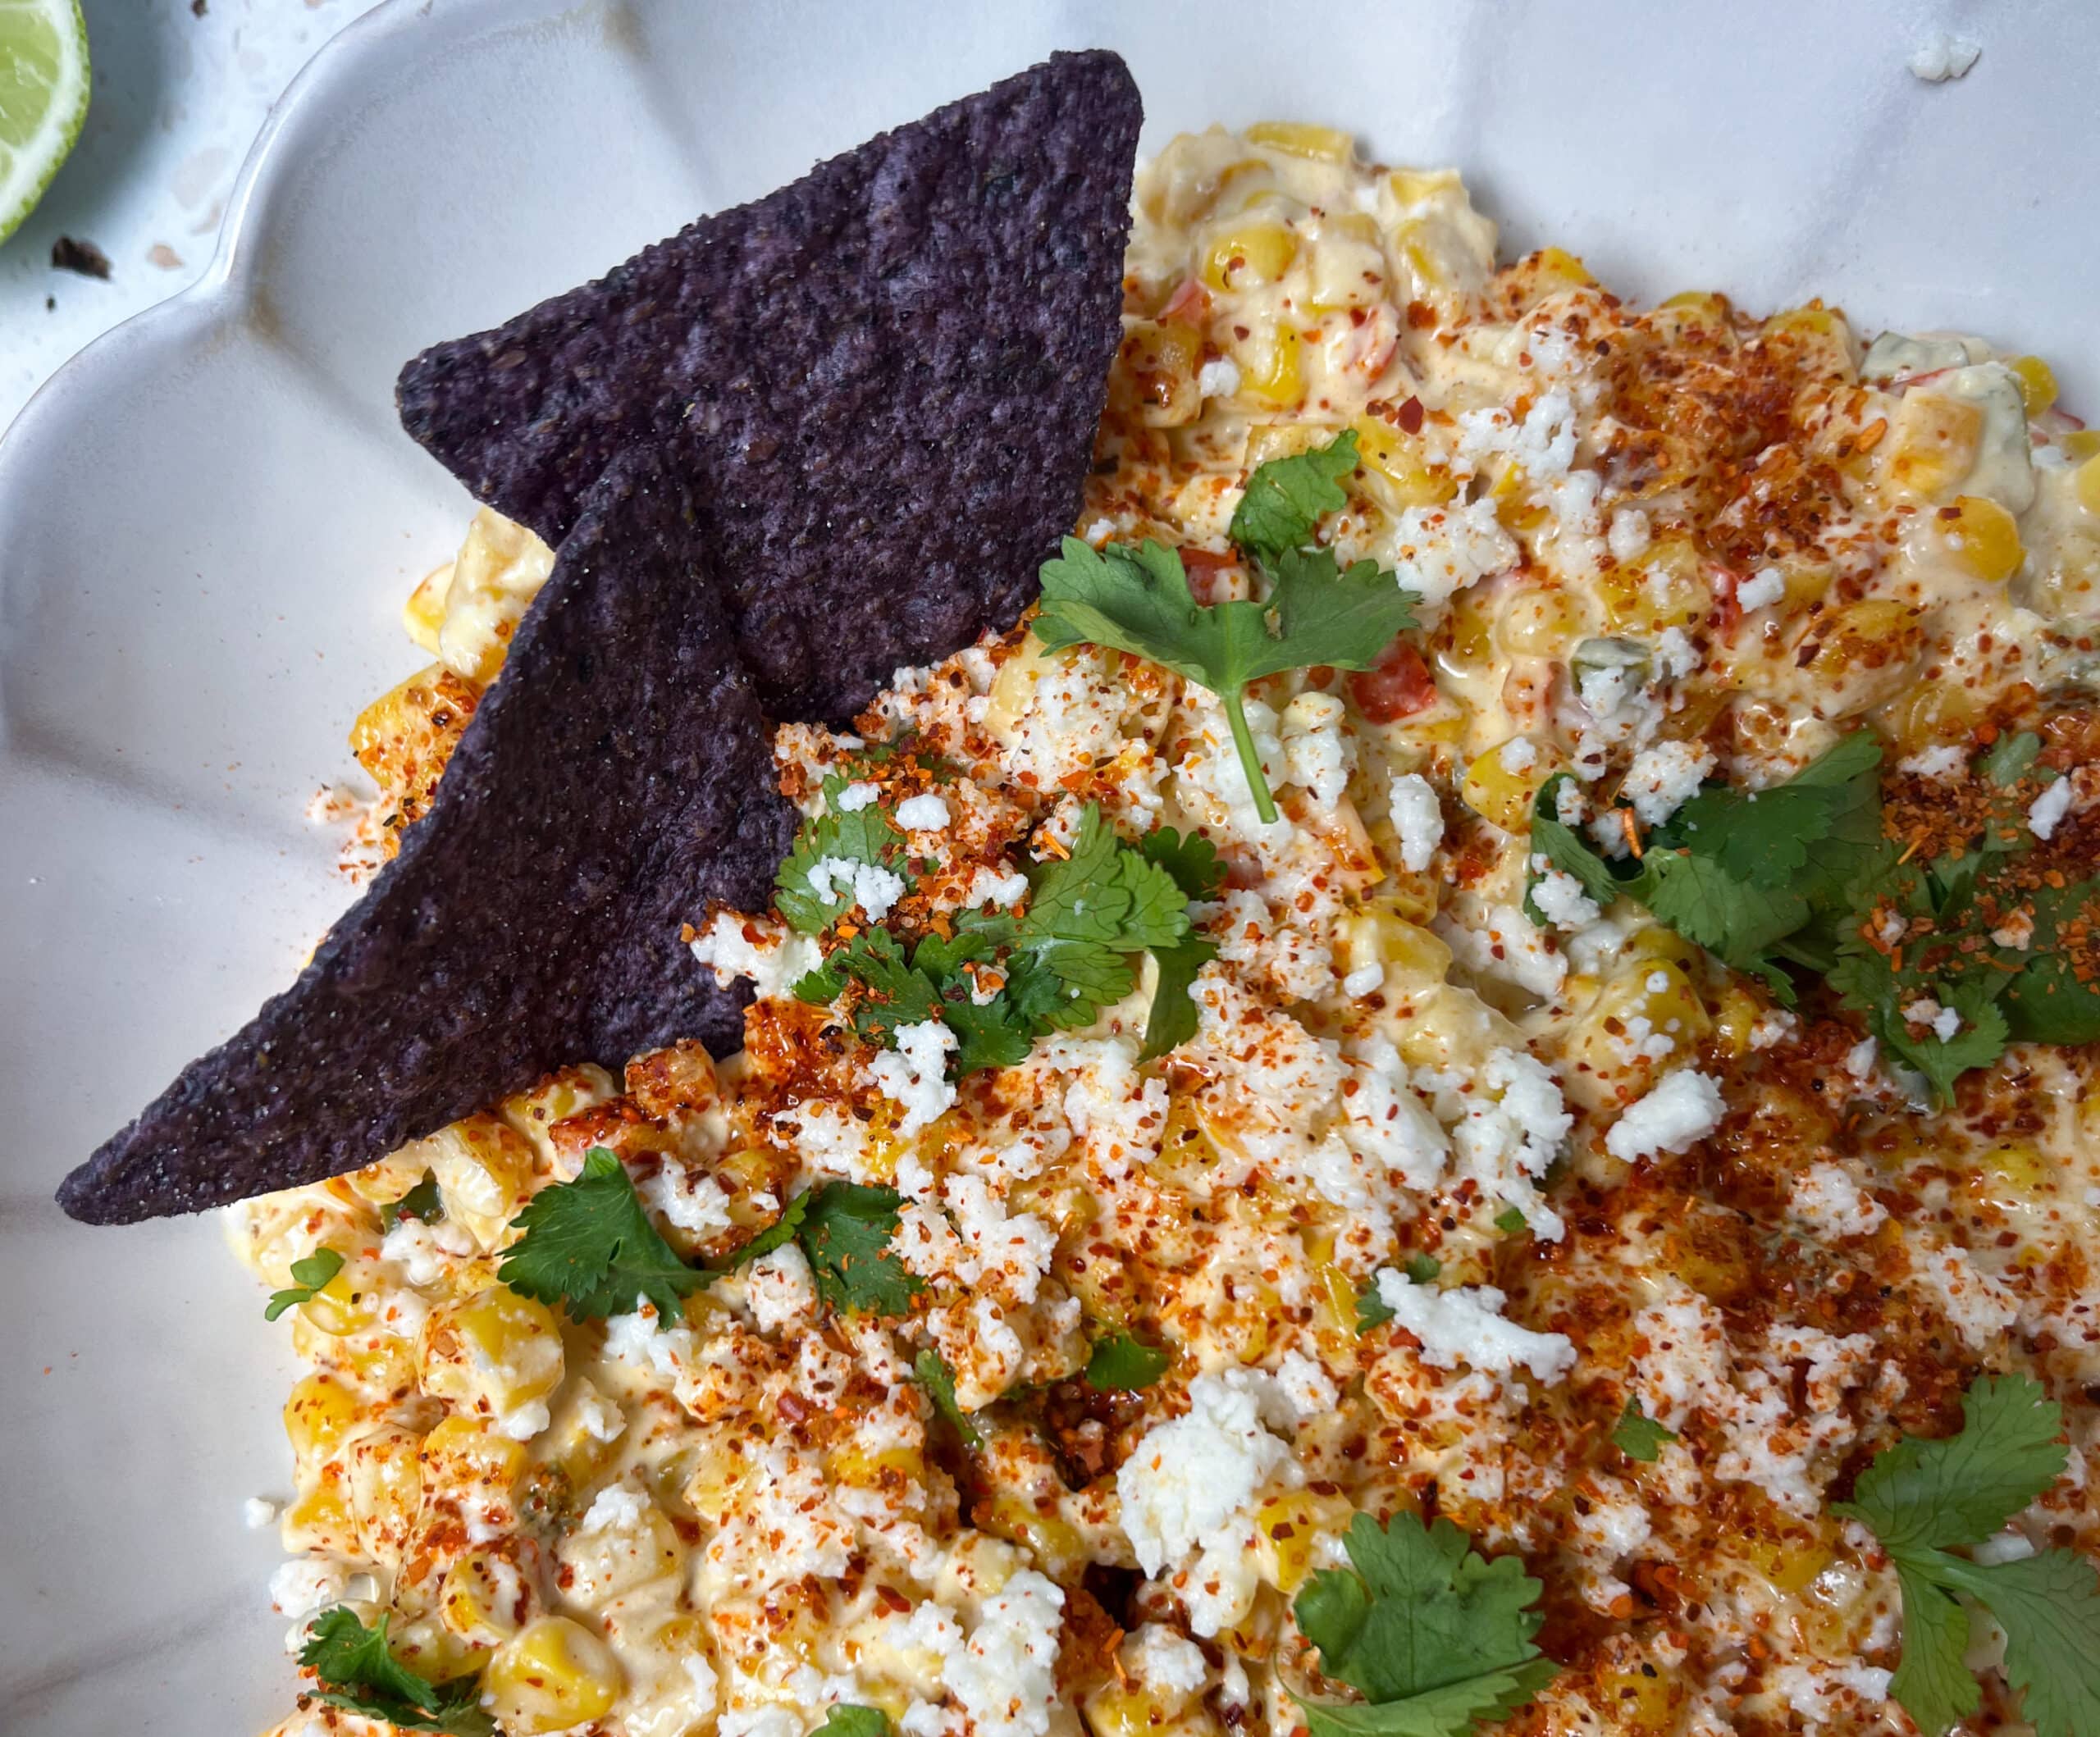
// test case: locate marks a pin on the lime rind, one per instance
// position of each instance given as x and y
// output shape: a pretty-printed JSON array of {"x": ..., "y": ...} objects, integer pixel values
[{"x": 52, "y": 96}]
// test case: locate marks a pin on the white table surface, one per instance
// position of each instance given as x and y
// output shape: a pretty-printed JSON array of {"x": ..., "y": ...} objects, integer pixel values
[{"x": 178, "y": 98}]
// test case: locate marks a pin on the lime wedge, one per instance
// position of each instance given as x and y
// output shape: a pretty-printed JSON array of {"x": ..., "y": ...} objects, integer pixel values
[{"x": 43, "y": 99}]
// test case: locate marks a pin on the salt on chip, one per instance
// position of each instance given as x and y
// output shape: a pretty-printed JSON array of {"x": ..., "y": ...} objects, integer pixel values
[
  {"x": 617, "y": 781},
  {"x": 882, "y": 382}
]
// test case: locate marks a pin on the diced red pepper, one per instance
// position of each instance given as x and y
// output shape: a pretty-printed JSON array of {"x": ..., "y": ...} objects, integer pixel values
[{"x": 1397, "y": 686}]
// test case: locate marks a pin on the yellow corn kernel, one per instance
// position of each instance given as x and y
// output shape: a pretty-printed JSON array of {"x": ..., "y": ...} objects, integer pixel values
[
  {"x": 386, "y": 1181},
  {"x": 1324, "y": 145},
  {"x": 319, "y": 1415},
  {"x": 551, "y": 1674},
  {"x": 470, "y": 1455},
  {"x": 492, "y": 1352},
  {"x": 566, "y": 1093},
  {"x": 1418, "y": 254},
  {"x": 1160, "y": 360},
  {"x": 484, "y": 1171},
  {"x": 861, "y": 1467},
  {"x": 1288, "y": 1529},
  {"x": 1557, "y": 268},
  {"x": 1655, "y": 941},
  {"x": 2086, "y": 483},
  {"x": 2081, "y": 444},
  {"x": 1249, "y": 255},
  {"x": 1399, "y": 473},
  {"x": 427, "y": 1647},
  {"x": 424, "y": 612},
  {"x": 498, "y": 571},
  {"x": 1666, "y": 588},
  {"x": 1983, "y": 537},
  {"x": 321, "y": 1519},
  {"x": 1270, "y": 371},
  {"x": 344, "y": 1304},
  {"x": 1929, "y": 713},
  {"x": 1931, "y": 444},
  {"x": 1541, "y": 621},
  {"x": 2037, "y": 382},
  {"x": 2008, "y": 1175},
  {"x": 1701, "y": 310},
  {"x": 1644, "y": 1000},
  {"x": 1789, "y": 1554},
  {"x": 1641, "y": 1700},
  {"x": 1417, "y": 186},
  {"x": 1377, "y": 934},
  {"x": 1054, "y": 1542},
  {"x": 1734, "y": 1019},
  {"x": 384, "y": 1480},
  {"x": 1337, "y": 1300},
  {"x": 599, "y": 1561},
  {"x": 1125, "y": 1707},
  {"x": 1502, "y": 793},
  {"x": 1866, "y": 652}
]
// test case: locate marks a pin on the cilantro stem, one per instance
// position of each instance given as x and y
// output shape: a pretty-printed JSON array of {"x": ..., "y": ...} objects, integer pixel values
[{"x": 1250, "y": 762}]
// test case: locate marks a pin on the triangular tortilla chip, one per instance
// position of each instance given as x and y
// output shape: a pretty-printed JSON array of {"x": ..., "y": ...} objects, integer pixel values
[
  {"x": 617, "y": 780},
  {"x": 882, "y": 382}
]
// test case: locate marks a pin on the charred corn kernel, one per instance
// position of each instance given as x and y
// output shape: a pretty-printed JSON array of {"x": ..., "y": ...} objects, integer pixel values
[
  {"x": 346, "y": 1304},
  {"x": 1931, "y": 444},
  {"x": 1055, "y": 1542},
  {"x": 1324, "y": 145},
  {"x": 1397, "y": 467},
  {"x": 321, "y": 1519},
  {"x": 2086, "y": 484},
  {"x": 1539, "y": 622},
  {"x": 1502, "y": 784},
  {"x": 1734, "y": 1019},
  {"x": 1288, "y": 1530},
  {"x": 1159, "y": 364},
  {"x": 1249, "y": 255},
  {"x": 1983, "y": 537},
  {"x": 470, "y": 1455},
  {"x": 423, "y": 613},
  {"x": 318, "y": 1416},
  {"x": 404, "y": 737},
  {"x": 2037, "y": 382},
  {"x": 383, "y": 1477},
  {"x": 566, "y": 1093},
  {"x": 1418, "y": 186},
  {"x": 484, "y": 1171},
  {"x": 492, "y": 1352},
  {"x": 1377, "y": 934},
  {"x": 551, "y": 1674},
  {"x": 1865, "y": 654},
  {"x": 1269, "y": 368}
]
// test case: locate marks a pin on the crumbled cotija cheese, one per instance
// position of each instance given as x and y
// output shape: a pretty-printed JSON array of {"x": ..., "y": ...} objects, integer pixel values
[
  {"x": 1683, "y": 1109},
  {"x": 1465, "y": 1325}
]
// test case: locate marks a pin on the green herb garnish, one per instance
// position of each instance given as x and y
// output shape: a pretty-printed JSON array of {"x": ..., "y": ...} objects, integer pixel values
[
  {"x": 309, "y": 1276},
  {"x": 1638, "y": 1436},
  {"x": 939, "y": 1380},
  {"x": 1122, "y": 1363},
  {"x": 359, "y": 1673}
]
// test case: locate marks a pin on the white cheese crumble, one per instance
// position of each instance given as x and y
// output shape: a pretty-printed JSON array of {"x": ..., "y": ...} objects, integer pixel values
[
  {"x": 922, "y": 814},
  {"x": 1189, "y": 1477},
  {"x": 1942, "y": 762},
  {"x": 1465, "y": 1324},
  {"x": 2045, "y": 813},
  {"x": 1943, "y": 1021},
  {"x": 1941, "y": 56},
  {"x": 1767, "y": 585},
  {"x": 1661, "y": 779},
  {"x": 1518, "y": 755},
  {"x": 914, "y": 1074},
  {"x": 1628, "y": 538},
  {"x": 771, "y": 956},
  {"x": 856, "y": 797},
  {"x": 779, "y": 1289},
  {"x": 1685, "y": 1107},
  {"x": 1319, "y": 756},
  {"x": 1560, "y": 896},
  {"x": 994, "y": 887},
  {"x": 1218, "y": 379},
  {"x": 1827, "y": 1199},
  {"x": 1363, "y": 980},
  {"x": 257, "y": 1512},
  {"x": 1160, "y": 1659},
  {"x": 691, "y": 1200},
  {"x": 1438, "y": 551},
  {"x": 1007, "y": 1676},
  {"x": 873, "y": 887},
  {"x": 1417, "y": 820}
]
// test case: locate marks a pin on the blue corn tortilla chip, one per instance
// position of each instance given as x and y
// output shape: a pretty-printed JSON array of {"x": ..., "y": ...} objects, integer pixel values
[
  {"x": 617, "y": 781},
  {"x": 882, "y": 382}
]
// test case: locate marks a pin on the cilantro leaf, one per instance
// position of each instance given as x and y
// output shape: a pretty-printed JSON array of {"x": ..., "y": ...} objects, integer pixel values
[
  {"x": 358, "y": 1673},
  {"x": 1638, "y": 1436},
  {"x": 867, "y": 835},
  {"x": 1373, "y": 1310},
  {"x": 1963, "y": 1487},
  {"x": 1192, "y": 861},
  {"x": 1510, "y": 1220},
  {"x": 1138, "y": 601},
  {"x": 589, "y": 1246},
  {"x": 993, "y": 1034},
  {"x": 939, "y": 1380},
  {"x": 1285, "y": 498},
  {"x": 1432, "y": 1635},
  {"x": 1172, "y": 1020},
  {"x": 846, "y": 1231},
  {"x": 896, "y": 994},
  {"x": 847, "y": 1719},
  {"x": 2010, "y": 759},
  {"x": 309, "y": 1275},
  {"x": 1106, "y": 892},
  {"x": 1924, "y": 1499},
  {"x": 421, "y": 1202},
  {"x": 2049, "y": 1607},
  {"x": 1566, "y": 849},
  {"x": 2048, "y": 1002},
  {"x": 778, "y": 1234},
  {"x": 1420, "y": 1270},
  {"x": 1122, "y": 1363}
]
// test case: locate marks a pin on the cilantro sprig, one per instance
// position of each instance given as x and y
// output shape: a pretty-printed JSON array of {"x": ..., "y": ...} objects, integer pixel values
[
  {"x": 1433, "y": 1635},
  {"x": 1927, "y": 1500},
  {"x": 1799, "y": 877},
  {"x": 849, "y": 1720},
  {"x": 1090, "y": 917},
  {"x": 939, "y": 1380},
  {"x": 1638, "y": 1436},
  {"x": 589, "y": 1247},
  {"x": 1137, "y": 600},
  {"x": 422, "y": 1203},
  {"x": 1122, "y": 1363},
  {"x": 866, "y": 835},
  {"x": 310, "y": 1276},
  {"x": 358, "y": 1673}
]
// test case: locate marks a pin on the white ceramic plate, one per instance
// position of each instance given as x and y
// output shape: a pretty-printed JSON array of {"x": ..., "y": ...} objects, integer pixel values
[{"x": 207, "y": 523}]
